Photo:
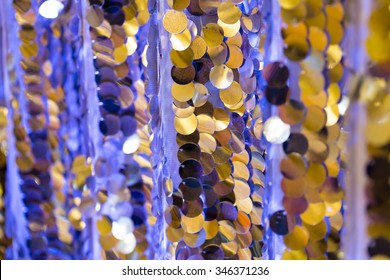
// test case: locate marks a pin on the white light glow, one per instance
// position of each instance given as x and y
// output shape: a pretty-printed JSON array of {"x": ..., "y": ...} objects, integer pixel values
[
  {"x": 122, "y": 227},
  {"x": 343, "y": 105},
  {"x": 51, "y": 9},
  {"x": 131, "y": 144},
  {"x": 276, "y": 131},
  {"x": 127, "y": 245}
]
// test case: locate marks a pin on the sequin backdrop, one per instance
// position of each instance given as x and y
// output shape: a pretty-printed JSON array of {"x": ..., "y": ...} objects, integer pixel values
[{"x": 195, "y": 129}]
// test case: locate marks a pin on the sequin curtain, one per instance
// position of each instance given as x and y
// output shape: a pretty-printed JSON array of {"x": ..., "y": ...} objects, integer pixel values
[{"x": 194, "y": 129}]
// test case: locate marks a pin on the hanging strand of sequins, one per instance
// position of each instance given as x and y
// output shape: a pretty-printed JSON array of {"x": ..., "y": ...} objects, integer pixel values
[
  {"x": 34, "y": 159},
  {"x": 113, "y": 29},
  {"x": 375, "y": 95},
  {"x": 308, "y": 106},
  {"x": 71, "y": 170},
  {"x": 15, "y": 221},
  {"x": 141, "y": 158},
  {"x": 4, "y": 237},
  {"x": 215, "y": 212}
]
